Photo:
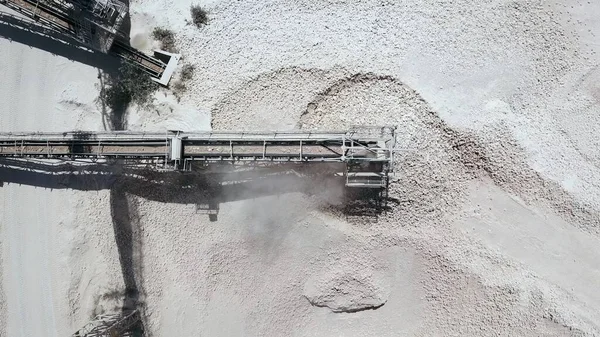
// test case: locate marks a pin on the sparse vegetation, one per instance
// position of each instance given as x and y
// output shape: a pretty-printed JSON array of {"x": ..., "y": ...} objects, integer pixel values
[
  {"x": 129, "y": 85},
  {"x": 179, "y": 87},
  {"x": 187, "y": 72},
  {"x": 199, "y": 15},
  {"x": 166, "y": 38},
  {"x": 136, "y": 84}
]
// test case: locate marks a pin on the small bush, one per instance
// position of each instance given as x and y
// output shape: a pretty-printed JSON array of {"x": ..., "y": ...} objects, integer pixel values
[
  {"x": 116, "y": 98},
  {"x": 187, "y": 72},
  {"x": 137, "y": 84},
  {"x": 178, "y": 89},
  {"x": 128, "y": 85},
  {"x": 199, "y": 15},
  {"x": 166, "y": 38}
]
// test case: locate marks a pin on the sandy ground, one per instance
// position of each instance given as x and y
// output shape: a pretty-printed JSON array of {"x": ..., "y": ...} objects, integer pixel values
[{"x": 495, "y": 220}]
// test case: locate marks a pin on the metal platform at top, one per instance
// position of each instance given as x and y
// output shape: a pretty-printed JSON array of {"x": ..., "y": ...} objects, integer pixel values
[
  {"x": 97, "y": 25},
  {"x": 92, "y": 22}
]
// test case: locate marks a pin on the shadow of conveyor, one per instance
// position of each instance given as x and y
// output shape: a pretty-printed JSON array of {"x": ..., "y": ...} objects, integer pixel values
[
  {"x": 36, "y": 36},
  {"x": 196, "y": 188},
  {"x": 95, "y": 177},
  {"x": 189, "y": 187},
  {"x": 171, "y": 186},
  {"x": 127, "y": 185},
  {"x": 126, "y": 228}
]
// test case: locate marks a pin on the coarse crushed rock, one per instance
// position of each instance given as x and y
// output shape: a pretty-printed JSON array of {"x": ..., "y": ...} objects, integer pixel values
[
  {"x": 477, "y": 89},
  {"x": 351, "y": 283},
  {"x": 277, "y": 259},
  {"x": 346, "y": 293}
]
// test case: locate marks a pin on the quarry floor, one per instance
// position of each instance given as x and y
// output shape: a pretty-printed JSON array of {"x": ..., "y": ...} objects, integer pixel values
[{"x": 494, "y": 225}]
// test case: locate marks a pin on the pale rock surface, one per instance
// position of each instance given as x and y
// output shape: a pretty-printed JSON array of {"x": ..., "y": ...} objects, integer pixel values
[
  {"x": 365, "y": 287},
  {"x": 495, "y": 212}
]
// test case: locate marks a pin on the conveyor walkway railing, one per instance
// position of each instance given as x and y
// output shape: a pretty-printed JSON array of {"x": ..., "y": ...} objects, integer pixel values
[
  {"x": 65, "y": 23},
  {"x": 368, "y": 155}
]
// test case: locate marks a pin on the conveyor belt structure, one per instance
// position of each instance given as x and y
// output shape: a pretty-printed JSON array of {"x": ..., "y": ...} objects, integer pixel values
[
  {"x": 81, "y": 23},
  {"x": 367, "y": 153}
]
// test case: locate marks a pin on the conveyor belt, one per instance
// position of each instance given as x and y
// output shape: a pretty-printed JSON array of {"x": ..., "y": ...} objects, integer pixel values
[
  {"x": 221, "y": 147},
  {"x": 63, "y": 23},
  {"x": 79, "y": 145},
  {"x": 39, "y": 11},
  {"x": 152, "y": 66},
  {"x": 211, "y": 146},
  {"x": 368, "y": 158}
]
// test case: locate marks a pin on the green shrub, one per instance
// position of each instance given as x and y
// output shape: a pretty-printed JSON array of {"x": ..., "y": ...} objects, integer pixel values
[
  {"x": 178, "y": 89},
  {"x": 136, "y": 84},
  {"x": 187, "y": 72},
  {"x": 199, "y": 15},
  {"x": 128, "y": 85},
  {"x": 166, "y": 38}
]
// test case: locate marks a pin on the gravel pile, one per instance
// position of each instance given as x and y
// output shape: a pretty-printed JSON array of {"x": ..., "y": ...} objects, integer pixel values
[{"x": 495, "y": 193}]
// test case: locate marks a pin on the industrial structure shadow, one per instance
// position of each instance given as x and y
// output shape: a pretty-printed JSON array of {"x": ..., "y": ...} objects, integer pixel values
[
  {"x": 95, "y": 177},
  {"x": 22, "y": 31},
  {"x": 206, "y": 190},
  {"x": 203, "y": 189}
]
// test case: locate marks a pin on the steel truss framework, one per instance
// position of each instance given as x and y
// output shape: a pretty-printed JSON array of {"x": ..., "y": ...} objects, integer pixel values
[
  {"x": 92, "y": 22},
  {"x": 366, "y": 152},
  {"x": 95, "y": 24}
]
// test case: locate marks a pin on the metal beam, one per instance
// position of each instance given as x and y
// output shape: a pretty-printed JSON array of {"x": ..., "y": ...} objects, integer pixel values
[{"x": 372, "y": 154}]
